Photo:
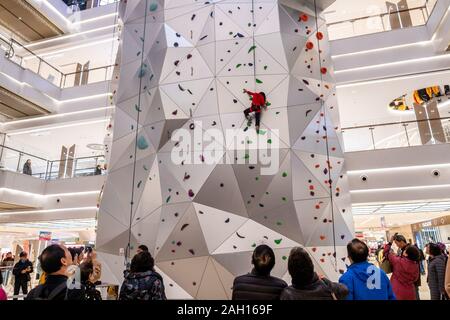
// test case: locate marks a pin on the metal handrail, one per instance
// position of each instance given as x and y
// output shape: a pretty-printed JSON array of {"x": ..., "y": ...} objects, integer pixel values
[
  {"x": 393, "y": 123},
  {"x": 92, "y": 69},
  {"x": 63, "y": 76},
  {"x": 22, "y": 152},
  {"x": 10, "y": 53},
  {"x": 50, "y": 164},
  {"x": 35, "y": 55},
  {"x": 377, "y": 15}
]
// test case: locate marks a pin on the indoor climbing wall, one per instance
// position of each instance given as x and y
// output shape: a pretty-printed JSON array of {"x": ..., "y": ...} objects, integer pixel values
[{"x": 185, "y": 62}]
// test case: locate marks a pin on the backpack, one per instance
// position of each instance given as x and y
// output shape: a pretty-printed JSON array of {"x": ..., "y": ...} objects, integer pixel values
[{"x": 39, "y": 292}]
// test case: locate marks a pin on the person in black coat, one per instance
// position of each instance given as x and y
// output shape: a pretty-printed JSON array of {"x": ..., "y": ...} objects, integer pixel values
[
  {"x": 27, "y": 168},
  {"x": 21, "y": 272},
  {"x": 259, "y": 284},
  {"x": 436, "y": 272},
  {"x": 306, "y": 284},
  {"x": 56, "y": 262}
]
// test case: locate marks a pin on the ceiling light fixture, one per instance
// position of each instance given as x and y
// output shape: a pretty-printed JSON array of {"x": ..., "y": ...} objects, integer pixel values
[
  {"x": 57, "y": 127},
  {"x": 442, "y": 56},
  {"x": 48, "y": 211}
]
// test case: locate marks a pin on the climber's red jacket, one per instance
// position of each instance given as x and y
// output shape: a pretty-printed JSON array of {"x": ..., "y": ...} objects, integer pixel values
[{"x": 258, "y": 101}]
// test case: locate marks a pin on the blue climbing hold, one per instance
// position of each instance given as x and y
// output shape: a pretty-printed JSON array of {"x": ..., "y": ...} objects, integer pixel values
[
  {"x": 153, "y": 7},
  {"x": 142, "y": 71},
  {"x": 142, "y": 143}
]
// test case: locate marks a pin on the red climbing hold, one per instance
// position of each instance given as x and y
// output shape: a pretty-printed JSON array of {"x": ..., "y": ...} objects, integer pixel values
[
  {"x": 323, "y": 70},
  {"x": 303, "y": 17},
  {"x": 309, "y": 45},
  {"x": 319, "y": 35}
]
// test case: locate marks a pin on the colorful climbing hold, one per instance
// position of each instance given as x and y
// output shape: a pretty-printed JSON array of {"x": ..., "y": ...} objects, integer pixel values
[
  {"x": 251, "y": 49},
  {"x": 153, "y": 6},
  {"x": 142, "y": 143}
]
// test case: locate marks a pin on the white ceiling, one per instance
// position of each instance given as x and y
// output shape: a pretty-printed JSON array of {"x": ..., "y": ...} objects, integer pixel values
[
  {"x": 406, "y": 207},
  {"x": 373, "y": 221},
  {"x": 47, "y": 144}
]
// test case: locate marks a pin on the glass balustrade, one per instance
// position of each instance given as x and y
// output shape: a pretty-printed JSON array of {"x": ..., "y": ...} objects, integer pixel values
[
  {"x": 363, "y": 23},
  {"x": 397, "y": 135},
  {"x": 64, "y": 77},
  {"x": 14, "y": 160}
]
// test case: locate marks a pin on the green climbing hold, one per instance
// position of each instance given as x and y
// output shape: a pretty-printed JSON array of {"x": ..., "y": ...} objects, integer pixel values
[
  {"x": 238, "y": 65},
  {"x": 284, "y": 174},
  {"x": 258, "y": 81},
  {"x": 137, "y": 108},
  {"x": 251, "y": 49},
  {"x": 277, "y": 241},
  {"x": 257, "y": 178},
  {"x": 284, "y": 258},
  {"x": 142, "y": 143},
  {"x": 269, "y": 141},
  {"x": 268, "y": 104},
  {"x": 153, "y": 7},
  {"x": 168, "y": 199},
  {"x": 247, "y": 156},
  {"x": 284, "y": 199},
  {"x": 145, "y": 167},
  {"x": 279, "y": 223},
  {"x": 265, "y": 67},
  {"x": 262, "y": 132},
  {"x": 254, "y": 245}
]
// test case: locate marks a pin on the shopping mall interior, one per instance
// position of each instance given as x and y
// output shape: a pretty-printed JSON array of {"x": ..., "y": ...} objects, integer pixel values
[{"x": 93, "y": 94}]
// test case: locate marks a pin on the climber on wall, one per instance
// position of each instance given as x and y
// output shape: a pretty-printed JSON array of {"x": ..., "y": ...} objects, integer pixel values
[{"x": 258, "y": 102}]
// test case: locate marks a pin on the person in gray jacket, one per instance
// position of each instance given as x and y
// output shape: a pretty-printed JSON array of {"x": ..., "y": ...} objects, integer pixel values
[{"x": 436, "y": 272}]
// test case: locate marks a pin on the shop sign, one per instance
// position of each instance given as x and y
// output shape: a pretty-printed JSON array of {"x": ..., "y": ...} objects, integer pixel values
[
  {"x": 45, "y": 236},
  {"x": 442, "y": 221}
]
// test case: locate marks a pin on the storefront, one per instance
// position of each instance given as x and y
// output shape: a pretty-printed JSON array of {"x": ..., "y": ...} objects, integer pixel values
[{"x": 436, "y": 230}]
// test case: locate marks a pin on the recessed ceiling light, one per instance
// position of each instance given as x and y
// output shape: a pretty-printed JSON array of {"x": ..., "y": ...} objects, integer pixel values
[
  {"x": 96, "y": 146},
  {"x": 40, "y": 134}
]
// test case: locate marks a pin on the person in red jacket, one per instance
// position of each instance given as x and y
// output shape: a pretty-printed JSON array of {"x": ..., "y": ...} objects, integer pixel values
[
  {"x": 258, "y": 102},
  {"x": 405, "y": 271}
]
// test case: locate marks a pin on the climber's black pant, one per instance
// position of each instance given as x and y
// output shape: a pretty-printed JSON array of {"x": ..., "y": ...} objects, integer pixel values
[{"x": 257, "y": 115}]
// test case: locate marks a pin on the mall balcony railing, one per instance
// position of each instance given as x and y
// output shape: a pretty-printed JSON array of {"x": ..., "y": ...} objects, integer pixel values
[
  {"x": 380, "y": 22},
  {"x": 88, "y": 4},
  {"x": 13, "y": 160},
  {"x": 47, "y": 71},
  {"x": 396, "y": 134}
]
